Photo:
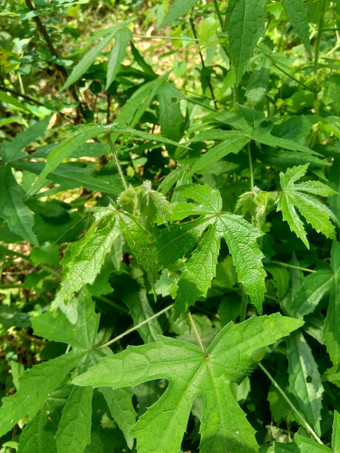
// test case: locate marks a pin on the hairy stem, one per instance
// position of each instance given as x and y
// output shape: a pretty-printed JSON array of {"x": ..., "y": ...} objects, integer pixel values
[
  {"x": 251, "y": 169},
  {"x": 194, "y": 328},
  {"x": 317, "y": 51},
  {"x": 136, "y": 327}
]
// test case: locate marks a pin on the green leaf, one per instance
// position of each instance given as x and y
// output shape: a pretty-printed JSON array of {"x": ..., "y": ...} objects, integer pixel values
[
  {"x": 135, "y": 298},
  {"x": 233, "y": 144},
  {"x": 240, "y": 236},
  {"x": 74, "y": 431},
  {"x": 38, "y": 434},
  {"x": 35, "y": 387},
  {"x": 140, "y": 242},
  {"x": 8, "y": 99},
  {"x": 12, "y": 150},
  {"x": 56, "y": 326},
  {"x": 83, "y": 259},
  {"x": 312, "y": 290},
  {"x": 304, "y": 379},
  {"x": 297, "y": 14},
  {"x": 298, "y": 195},
  {"x": 199, "y": 271},
  {"x": 229, "y": 358},
  {"x": 177, "y": 9},
  {"x": 336, "y": 432},
  {"x": 332, "y": 324},
  {"x": 155, "y": 203},
  {"x": 122, "y": 39},
  {"x": 119, "y": 402},
  {"x": 83, "y": 65},
  {"x": 170, "y": 115},
  {"x": 19, "y": 218},
  {"x": 64, "y": 150},
  {"x": 245, "y": 25},
  {"x": 280, "y": 142}
]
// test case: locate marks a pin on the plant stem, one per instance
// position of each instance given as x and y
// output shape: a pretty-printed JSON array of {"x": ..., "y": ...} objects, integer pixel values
[
  {"x": 291, "y": 405},
  {"x": 62, "y": 71},
  {"x": 218, "y": 13},
  {"x": 24, "y": 96},
  {"x": 251, "y": 169},
  {"x": 136, "y": 327},
  {"x": 293, "y": 267},
  {"x": 120, "y": 171},
  {"x": 181, "y": 38},
  {"x": 192, "y": 322},
  {"x": 317, "y": 51},
  {"x": 244, "y": 304},
  {"x": 203, "y": 64}
]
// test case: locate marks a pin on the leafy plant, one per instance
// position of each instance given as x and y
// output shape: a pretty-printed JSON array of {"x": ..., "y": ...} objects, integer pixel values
[{"x": 188, "y": 184}]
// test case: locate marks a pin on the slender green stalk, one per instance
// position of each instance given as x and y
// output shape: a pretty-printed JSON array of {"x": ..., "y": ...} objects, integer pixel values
[
  {"x": 291, "y": 405},
  {"x": 244, "y": 305},
  {"x": 317, "y": 51},
  {"x": 196, "y": 332},
  {"x": 172, "y": 38},
  {"x": 251, "y": 169},
  {"x": 293, "y": 267},
  {"x": 120, "y": 171},
  {"x": 136, "y": 327},
  {"x": 218, "y": 13}
]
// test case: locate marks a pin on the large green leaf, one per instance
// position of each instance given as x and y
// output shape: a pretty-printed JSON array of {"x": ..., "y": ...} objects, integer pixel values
[
  {"x": 303, "y": 197},
  {"x": 205, "y": 374},
  {"x": 245, "y": 25},
  {"x": 297, "y": 14},
  {"x": 8, "y": 99},
  {"x": 19, "y": 218},
  {"x": 177, "y": 9},
  {"x": 122, "y": 39},
  {"x": 35, "y": 387},
  {"x": 304, "y": 379},
  {"x": 83, "y": 259},
  {"x": 74, "y": 431}
]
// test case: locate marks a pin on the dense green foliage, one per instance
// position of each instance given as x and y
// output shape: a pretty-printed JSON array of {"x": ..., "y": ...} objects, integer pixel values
[{"x": 169, "y": 226}]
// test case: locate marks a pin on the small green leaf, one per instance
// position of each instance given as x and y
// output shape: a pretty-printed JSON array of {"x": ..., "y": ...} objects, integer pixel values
[
  {"x": 13, "y": 150},
  {"x": 83, "y": 259},
  {"x": 297, "y": 14},
  {"x": 8, "y": 99},
  {"x": 56, "y": 326},
  {"x": 74, "y": 430},
  {"x": 64, "y": 150},
  {"x": 229, "y": 358},
  {"x": 304, "y": 379},
  {"x": 177, "y": 9},
  {"x": 245, "y": 25},
  {"x": 19, "y": 218},
  {"x": 199, "y": 271},
  {"x": 170, "y": 115},
  {"x": 122, "y": 39},
  {"x": 35, "y": 387},
  {"x": 140, "y": 242},
  {"x": 314, "y": 211},
  {"x": 233, "y": 144},
  {"x": 312, "y": 290},
  {"x": 87, "y": 60}
]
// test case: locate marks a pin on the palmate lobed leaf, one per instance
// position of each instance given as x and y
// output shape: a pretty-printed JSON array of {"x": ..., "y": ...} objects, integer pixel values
[
  {"x": 302, "y": 196},
  {"x": 240, "y": 236},
  {"x": 193, "y": 373}
]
